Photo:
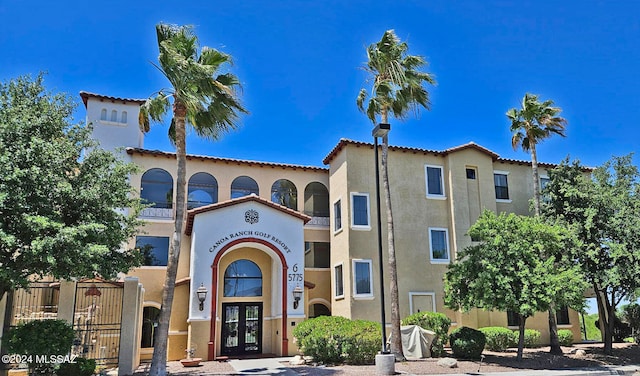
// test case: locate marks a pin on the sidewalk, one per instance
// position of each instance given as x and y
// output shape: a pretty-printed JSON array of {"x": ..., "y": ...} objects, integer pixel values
[{"x": 278, "y": 366}]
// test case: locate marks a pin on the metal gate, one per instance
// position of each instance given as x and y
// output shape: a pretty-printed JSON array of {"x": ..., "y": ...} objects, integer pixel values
[
  {"x": 39, "y": 302},
  {"x": 97, "y": 321}
]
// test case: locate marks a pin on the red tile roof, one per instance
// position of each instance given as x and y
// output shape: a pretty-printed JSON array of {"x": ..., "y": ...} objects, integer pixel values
[
  {"x": 191, "y": 214},
  {"x": 471, "y": 145},
  {"x": 85, "y": 95},
  {"x": 158, "y": 153}
]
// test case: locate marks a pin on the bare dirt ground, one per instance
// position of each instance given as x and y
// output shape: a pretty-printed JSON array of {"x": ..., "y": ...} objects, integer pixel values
[{"x": 533, "y": 359}]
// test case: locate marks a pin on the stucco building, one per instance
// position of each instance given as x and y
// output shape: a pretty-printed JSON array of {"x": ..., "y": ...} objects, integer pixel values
[{"x": 273, "y": 244}]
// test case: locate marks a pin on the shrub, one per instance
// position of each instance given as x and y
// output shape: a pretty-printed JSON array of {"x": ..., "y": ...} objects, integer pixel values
[
  {"x": 335, "y": 340},
  {"x": 467, "y": 343},
  {"x": 43, "y": 337},
  {"x": 81, "y": 367},
  {"x": 565, "y": 337},
  {"x": 531, "y": 338},
  {"x": 436, "y": 322},
  {"x": 499, "y": 338}
]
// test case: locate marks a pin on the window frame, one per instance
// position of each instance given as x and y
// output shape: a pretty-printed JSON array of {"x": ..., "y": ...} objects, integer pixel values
[
  {"x": 560, "y": 314},
  {"x": 337, "y": 216},
  {"x": 368, "y": 207},
  {"x": 166, "y": 257},
  {"x": 506, "y": 174},
  {"x": 435, "y": 196},
  {"x": 338, "y": 283},
  {"x": 446, "y": 239},
  {"x": 356, "y": 294}
]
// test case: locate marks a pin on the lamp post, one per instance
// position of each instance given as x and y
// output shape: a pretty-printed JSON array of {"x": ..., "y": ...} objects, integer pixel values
[{"x": 380, "y": 130}]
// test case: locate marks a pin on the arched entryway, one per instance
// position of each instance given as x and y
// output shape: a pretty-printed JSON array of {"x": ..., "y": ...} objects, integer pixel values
[{"x": 249, "y": 304}]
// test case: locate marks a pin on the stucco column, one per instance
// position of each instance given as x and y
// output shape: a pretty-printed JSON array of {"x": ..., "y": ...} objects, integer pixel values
[
  {"x": 67, "y": 301},
  {"x": 129, "y": 328}
]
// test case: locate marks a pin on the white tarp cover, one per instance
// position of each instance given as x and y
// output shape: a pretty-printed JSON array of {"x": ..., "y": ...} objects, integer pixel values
[{"x": 416, "y": 342}]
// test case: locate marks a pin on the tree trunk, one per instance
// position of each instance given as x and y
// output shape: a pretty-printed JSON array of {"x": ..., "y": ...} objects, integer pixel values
[
  {"x": 159, "y": 360},
  {"x": 521, "y": 325},
  {"x": 554, "y": 342},
  {"x": 609, "y": 326}
]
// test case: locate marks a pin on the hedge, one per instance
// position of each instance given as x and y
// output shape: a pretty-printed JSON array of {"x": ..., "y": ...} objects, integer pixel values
[
  {"x": 499, "y": 338},
  {"x": 337, "y": 340}
]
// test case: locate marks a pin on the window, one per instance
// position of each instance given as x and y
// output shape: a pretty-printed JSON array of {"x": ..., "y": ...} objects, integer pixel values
[
  {"x": 114, "y": 116},
  {"x": 242, "y": 278},
  {"x": 471, "y": 173},
  {"x": 155, "y": 250},
  {"x": 203, "y": 190},
  {"x": 317, "y": 254},
  {"x": 502, "y": 186},
  {"x": 316, "y": 200},
  {"x": 544, "y": 180},
  {"x": 157, "y": 188},
  {"x": 439, "y": 243},
  {"x": 149, "y": 325},
  {"x": 562, "y": 316},
  {"x": 512, "y": 319},
  {"x": 103, "y": 114},
  {"x": 337, "y": 216},
  {"x": 339, "y": 283},
  {"x": 285, "y": 193},
  {"x": 360, "y": 211},
  {"x": 123, "y": 117},
  {"x": 362, "y": 281},
  {"x": 243, "y": 186},
  {"x": 435, "y": 183}
]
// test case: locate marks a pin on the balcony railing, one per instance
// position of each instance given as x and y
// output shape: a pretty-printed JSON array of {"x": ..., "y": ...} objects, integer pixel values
[
  {"x": 319, "y": 221},
  {"x": 156, "y": 213}
]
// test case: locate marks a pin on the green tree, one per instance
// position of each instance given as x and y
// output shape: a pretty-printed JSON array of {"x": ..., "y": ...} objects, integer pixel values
[
  {"x": 399, "y": 87},
  {"x": 505, "y": 271},
  {"x": 530, "y": 125},
  {"x": 205, "y": 99},
  {"x": 58, "y": 207},
  {"x": 604, "y": 212}
]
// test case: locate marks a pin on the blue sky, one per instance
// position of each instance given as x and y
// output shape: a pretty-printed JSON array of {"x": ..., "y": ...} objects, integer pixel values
[{"x": 299, "y": 62}]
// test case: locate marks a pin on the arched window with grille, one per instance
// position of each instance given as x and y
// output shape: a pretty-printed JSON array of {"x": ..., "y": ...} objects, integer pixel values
[
  {"x": 242, "y": 278},
  {"x": 157, "y": 188},
  {"x": 285, "y": 193},
  {"x": 243, "y": 186},
  {"x": 203, "y": 190}
]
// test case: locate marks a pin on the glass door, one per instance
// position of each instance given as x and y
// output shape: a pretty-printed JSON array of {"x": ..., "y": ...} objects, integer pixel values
[{"x": 241, "y": 328}]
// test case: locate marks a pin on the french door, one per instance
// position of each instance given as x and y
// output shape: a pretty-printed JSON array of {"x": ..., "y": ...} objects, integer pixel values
[{"x": 241, "y": 328}]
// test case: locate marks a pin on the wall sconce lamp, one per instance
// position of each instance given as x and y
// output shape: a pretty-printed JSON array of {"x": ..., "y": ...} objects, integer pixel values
[
  {"x": 297, "y": 295},
  {"x": 201, "y": 293}
]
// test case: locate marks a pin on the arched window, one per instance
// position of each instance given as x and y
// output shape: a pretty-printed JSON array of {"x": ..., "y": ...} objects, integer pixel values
[
  {"x": 243, "y": 278},
  {"x": 114, "y": 116},
  {"x": 285, "y": 193},
  {"x": 103, "y": 114},
  {"x": 123, "y": 117},
  {"x": 243, "y": 186},
  {"x": 316, "y": 200},
  {"x": 157, "y": 188},
  {"x": 149, "y": 324},
  {"x": 203, "y": 190}
]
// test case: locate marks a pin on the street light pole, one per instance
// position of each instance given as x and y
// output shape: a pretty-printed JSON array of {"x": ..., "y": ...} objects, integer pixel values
[{"x": 380, "y": 130}]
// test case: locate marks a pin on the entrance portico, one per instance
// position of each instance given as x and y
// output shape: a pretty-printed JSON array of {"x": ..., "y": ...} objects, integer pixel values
[{"x": 249, "y": 254}]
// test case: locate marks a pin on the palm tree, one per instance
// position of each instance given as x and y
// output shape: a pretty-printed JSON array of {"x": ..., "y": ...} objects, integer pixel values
[
  {"x": 204, "y": 99},
  {"x": 398, "y": 88},
  {"x": 534, "y": 122}
]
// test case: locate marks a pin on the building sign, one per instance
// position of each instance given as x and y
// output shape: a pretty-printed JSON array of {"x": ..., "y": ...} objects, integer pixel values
[{"x": 248, "y": 233}]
